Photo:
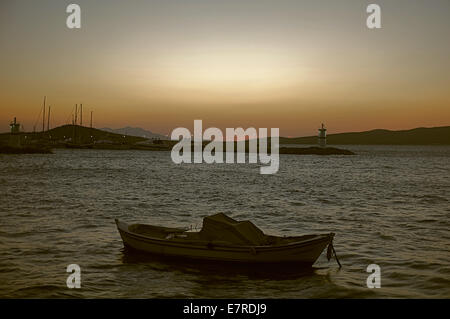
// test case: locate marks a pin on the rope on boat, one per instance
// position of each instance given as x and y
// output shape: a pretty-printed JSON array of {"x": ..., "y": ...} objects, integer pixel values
[
  {"x": 337, "y": 259},
  {"x": 331, "y": 251}
]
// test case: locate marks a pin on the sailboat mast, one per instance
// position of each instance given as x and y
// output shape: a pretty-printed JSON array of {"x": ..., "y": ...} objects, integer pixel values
[
  {"x": 43, "y": 117},
  {"x": 48, "y": 119}
]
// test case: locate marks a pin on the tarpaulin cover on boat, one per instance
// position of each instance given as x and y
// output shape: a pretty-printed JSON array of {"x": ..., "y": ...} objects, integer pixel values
[{"x": 220, "y": 227}]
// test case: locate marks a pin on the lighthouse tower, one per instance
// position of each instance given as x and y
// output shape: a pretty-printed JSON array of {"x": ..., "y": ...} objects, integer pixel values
[
  {"x": 14, "y": 138},
  {"x": 322, "y": 140},
  {"x": 15, "y": 127}
]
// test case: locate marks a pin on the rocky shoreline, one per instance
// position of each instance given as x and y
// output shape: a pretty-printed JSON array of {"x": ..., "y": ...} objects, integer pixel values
[{"x": 315, "y": 151}]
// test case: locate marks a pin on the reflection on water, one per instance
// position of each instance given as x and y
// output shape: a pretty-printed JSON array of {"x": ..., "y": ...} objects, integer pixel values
[
  {"x": 216, "y": 269},
  {"x": 387, "y": 205}
]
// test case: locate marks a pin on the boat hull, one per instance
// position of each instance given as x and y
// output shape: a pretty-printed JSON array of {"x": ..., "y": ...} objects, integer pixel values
[{"x": 303, "y": 252}]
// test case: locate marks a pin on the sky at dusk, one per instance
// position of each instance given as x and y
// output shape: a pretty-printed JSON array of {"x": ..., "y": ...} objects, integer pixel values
[{"x": 290, "y": 64}]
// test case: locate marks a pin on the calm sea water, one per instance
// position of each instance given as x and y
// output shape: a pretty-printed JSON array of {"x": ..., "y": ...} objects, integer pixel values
[{"x": 388, "y": 205}]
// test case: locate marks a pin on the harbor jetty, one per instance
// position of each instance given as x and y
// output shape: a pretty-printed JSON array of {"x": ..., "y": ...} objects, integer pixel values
[{"x": 16, "y": 142}]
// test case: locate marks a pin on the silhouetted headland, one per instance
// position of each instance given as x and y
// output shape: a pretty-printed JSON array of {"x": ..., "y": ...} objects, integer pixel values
[
  {"x": 135, "y": 131},
  {"x": 76, "y": 136},
  {"x": 417, "y": 136},
  {"x": 81, "y": 137}
]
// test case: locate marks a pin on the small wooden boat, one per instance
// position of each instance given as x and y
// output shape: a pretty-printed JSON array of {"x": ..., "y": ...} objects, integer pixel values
[{"x": 225, "y": 239}]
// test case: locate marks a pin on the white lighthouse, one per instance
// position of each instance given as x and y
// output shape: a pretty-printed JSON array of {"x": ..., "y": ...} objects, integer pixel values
[{"x": 322, "y": 140}]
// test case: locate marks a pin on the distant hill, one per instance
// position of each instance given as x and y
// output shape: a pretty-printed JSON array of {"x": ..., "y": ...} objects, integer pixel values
[
  {"x": 75, "y": 133},
  {"x": 82, "y": 134},
  {"x": 417, "y": 136},
  {"x": 77, "y": 136},
  {"x": 135, "y": 131}
]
